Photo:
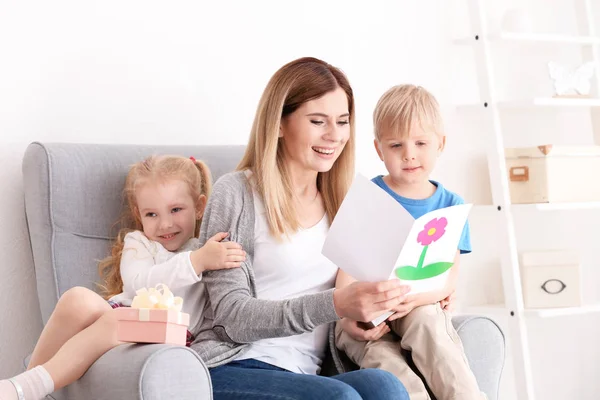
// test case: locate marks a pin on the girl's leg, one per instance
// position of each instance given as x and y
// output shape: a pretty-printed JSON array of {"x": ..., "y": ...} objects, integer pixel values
[
  {"x": 68, "y": 364},
  {"x": 82, "y": 350},
  {"x": 374, "y": 384},
  {"x": 89, "y": 334},
  {"x": 76, "y": 309}
]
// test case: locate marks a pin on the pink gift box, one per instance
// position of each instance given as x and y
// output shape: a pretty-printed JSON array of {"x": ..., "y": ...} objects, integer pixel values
[{"x": 145, "y": 325}]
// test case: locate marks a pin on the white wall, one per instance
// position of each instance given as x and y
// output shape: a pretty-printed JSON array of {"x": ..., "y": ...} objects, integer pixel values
[{"x": 192, "y": 72}]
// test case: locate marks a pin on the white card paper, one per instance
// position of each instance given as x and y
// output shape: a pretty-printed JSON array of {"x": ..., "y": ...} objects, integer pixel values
[{"x": 374, "y": 238}]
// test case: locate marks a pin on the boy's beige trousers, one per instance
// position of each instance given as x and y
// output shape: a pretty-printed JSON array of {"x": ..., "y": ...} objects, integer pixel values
[{"x": 437, "y": 352}]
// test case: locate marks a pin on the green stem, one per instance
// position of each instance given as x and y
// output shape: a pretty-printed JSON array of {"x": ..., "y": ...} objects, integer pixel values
[{"x": 422, "y": 258}]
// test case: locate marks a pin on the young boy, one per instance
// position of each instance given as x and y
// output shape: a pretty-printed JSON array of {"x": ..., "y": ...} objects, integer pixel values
[{"x": 408, "y": 139}]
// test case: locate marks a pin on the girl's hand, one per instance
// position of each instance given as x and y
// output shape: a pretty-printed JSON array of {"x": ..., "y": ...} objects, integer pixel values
[
  {"x": 448, "y": 302},
  {"x": 365, "y": 301},
  {"x": 218, "y": 255},
  {"x": 359, "y": 331}
]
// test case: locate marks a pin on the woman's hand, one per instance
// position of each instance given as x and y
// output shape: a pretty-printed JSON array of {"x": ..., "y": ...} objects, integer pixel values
[
  {"x": 365, "y": 301},
  {"x": 217, "y": 255},
  {"x": 359, "y": 331}
]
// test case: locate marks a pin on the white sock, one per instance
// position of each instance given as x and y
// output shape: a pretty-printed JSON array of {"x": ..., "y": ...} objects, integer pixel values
[
  {"x": 8, "y": 391},
  {"x": 35, "y": 385}
]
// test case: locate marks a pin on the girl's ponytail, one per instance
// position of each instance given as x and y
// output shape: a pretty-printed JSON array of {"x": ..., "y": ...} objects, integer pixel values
[{"x": 206, "y": 185}]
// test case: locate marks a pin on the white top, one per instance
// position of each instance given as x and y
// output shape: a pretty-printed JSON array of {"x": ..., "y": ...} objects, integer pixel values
[
  {"x": 288, "y": 269},
  {"x": 146, "y": 263}
]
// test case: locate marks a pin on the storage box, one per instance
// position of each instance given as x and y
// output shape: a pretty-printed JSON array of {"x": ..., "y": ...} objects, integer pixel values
[
  {"x": 548, "y": 174},
  {"x": 145, "y": 325},
  {"x": 551, "y": 279}
]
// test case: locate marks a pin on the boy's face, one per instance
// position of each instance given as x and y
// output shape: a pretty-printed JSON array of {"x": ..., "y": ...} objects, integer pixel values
[{"x": 410, "y": 158}]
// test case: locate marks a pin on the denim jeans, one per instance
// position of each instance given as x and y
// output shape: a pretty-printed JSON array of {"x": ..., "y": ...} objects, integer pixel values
[{"x": 253, "y": 380}]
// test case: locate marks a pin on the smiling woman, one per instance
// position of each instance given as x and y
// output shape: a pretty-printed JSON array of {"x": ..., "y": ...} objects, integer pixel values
[{"x": 271, "y": 317}]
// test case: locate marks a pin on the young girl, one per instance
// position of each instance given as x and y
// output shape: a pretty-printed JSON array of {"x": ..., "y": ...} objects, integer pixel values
[{"x": 166, "y": 197}]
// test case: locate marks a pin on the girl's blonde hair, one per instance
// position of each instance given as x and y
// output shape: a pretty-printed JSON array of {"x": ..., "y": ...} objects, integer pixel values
[
  {"x": 402, "y": 106},
  {"x": 153, "y": 169},
  {"x": 291, "y": 86}
]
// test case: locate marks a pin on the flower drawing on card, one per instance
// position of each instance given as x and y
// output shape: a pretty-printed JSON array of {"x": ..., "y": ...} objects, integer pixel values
[{"x": 431, "y": 233}]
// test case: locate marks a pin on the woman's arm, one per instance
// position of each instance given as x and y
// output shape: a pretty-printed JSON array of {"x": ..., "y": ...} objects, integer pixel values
[
  {"x": 238, "y": 315},
  {"x": 242, "y": 318}
]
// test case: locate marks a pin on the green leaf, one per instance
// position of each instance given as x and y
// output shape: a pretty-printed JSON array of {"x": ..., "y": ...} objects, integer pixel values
[{"x": 410, "y": 273}]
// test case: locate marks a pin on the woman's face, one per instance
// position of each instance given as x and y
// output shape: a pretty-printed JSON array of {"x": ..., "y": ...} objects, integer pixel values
[{"x": 314, "y": 135}]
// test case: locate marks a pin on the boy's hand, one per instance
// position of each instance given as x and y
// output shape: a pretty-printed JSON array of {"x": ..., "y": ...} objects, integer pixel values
[
  {"x": 448, "y": 302},
  {"x": 405, "y": 307},
  {"x": 218, "y": 255},
  {"x": 359, "y": 330}
]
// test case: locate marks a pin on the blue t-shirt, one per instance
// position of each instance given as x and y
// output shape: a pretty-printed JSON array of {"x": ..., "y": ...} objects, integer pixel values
[{"x": 442, "y": 198}]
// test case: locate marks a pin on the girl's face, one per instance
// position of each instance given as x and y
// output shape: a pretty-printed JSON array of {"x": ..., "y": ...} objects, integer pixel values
[
  {"x": 314, "y": 135},
  {"x": 167, "y": 212}
]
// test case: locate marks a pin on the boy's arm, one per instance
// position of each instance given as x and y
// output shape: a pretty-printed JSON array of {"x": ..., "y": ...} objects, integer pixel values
[{"x": 343, "y": 279}]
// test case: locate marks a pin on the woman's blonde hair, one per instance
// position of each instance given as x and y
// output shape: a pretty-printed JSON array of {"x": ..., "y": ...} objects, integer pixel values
[
  {"x": 153, "y": 169},
  {"x": 291, "y": 86},
  {"x": 402, "y": 106}
]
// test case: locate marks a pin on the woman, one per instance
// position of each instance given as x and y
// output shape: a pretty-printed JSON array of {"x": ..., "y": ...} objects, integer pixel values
[{"x": 265, "y": 333}]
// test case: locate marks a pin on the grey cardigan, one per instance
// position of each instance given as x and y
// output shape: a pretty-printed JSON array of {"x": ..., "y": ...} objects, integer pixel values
[{"x": 234, "y": 317}]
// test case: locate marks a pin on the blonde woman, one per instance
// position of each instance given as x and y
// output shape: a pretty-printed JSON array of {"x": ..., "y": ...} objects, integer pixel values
[{"x": 266, "y": 328}]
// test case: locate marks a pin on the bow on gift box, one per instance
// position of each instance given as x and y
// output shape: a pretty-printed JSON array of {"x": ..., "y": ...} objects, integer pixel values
[{"x": 159, "y": 297}]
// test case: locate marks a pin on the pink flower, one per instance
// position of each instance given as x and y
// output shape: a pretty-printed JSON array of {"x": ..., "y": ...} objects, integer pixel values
[{"x": 434, "y": 230}]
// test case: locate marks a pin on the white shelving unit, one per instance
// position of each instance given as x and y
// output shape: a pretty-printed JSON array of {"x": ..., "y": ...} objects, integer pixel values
[
  {"x": 501, "y": 309},
  {"x": 591, "y": 205},
  {"x": 536, "y": 38},
  {"x": 542, "y": 102},
  {"x": 483, "y": 41}
]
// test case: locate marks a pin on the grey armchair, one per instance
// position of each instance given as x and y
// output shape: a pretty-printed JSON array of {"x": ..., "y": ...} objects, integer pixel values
[{"x": 73, "y": 197}]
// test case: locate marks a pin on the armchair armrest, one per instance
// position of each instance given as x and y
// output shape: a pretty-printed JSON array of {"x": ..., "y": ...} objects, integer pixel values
[
  {"x": 148, "y": 372},
  {"x": 484, "y": 345}
]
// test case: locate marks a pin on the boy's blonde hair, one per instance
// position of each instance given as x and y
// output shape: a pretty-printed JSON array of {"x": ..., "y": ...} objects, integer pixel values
[
  {"x": 291, "y": 86},
  {"x": 404, "y": 105},
  {"x": 153, "y": 169}
]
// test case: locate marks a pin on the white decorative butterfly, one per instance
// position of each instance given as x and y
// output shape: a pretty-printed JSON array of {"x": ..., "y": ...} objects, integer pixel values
[{"x": 571, "y": 82}]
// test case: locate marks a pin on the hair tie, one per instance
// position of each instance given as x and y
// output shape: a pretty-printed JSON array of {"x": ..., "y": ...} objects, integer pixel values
[{"x": 193, "y": 159}]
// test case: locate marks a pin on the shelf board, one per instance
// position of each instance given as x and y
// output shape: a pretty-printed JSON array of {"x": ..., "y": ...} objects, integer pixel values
[
  {"x": 559, "y": 206},
  {"x": 535, "y": 38},
  {"x": 557, "y": 312},
  {"x": 547, "y": 37},
  {"x": 553, "y": 102},
  {"x": 500, "y": 309},
  {"x": 540, "y": 102}
]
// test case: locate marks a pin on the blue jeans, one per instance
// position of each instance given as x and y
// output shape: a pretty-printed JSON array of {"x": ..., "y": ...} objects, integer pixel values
[{"x": 253, "y": 380}]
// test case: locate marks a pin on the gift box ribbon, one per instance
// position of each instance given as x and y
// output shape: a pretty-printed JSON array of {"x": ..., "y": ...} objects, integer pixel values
[{"x": 159, "y": 297}]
